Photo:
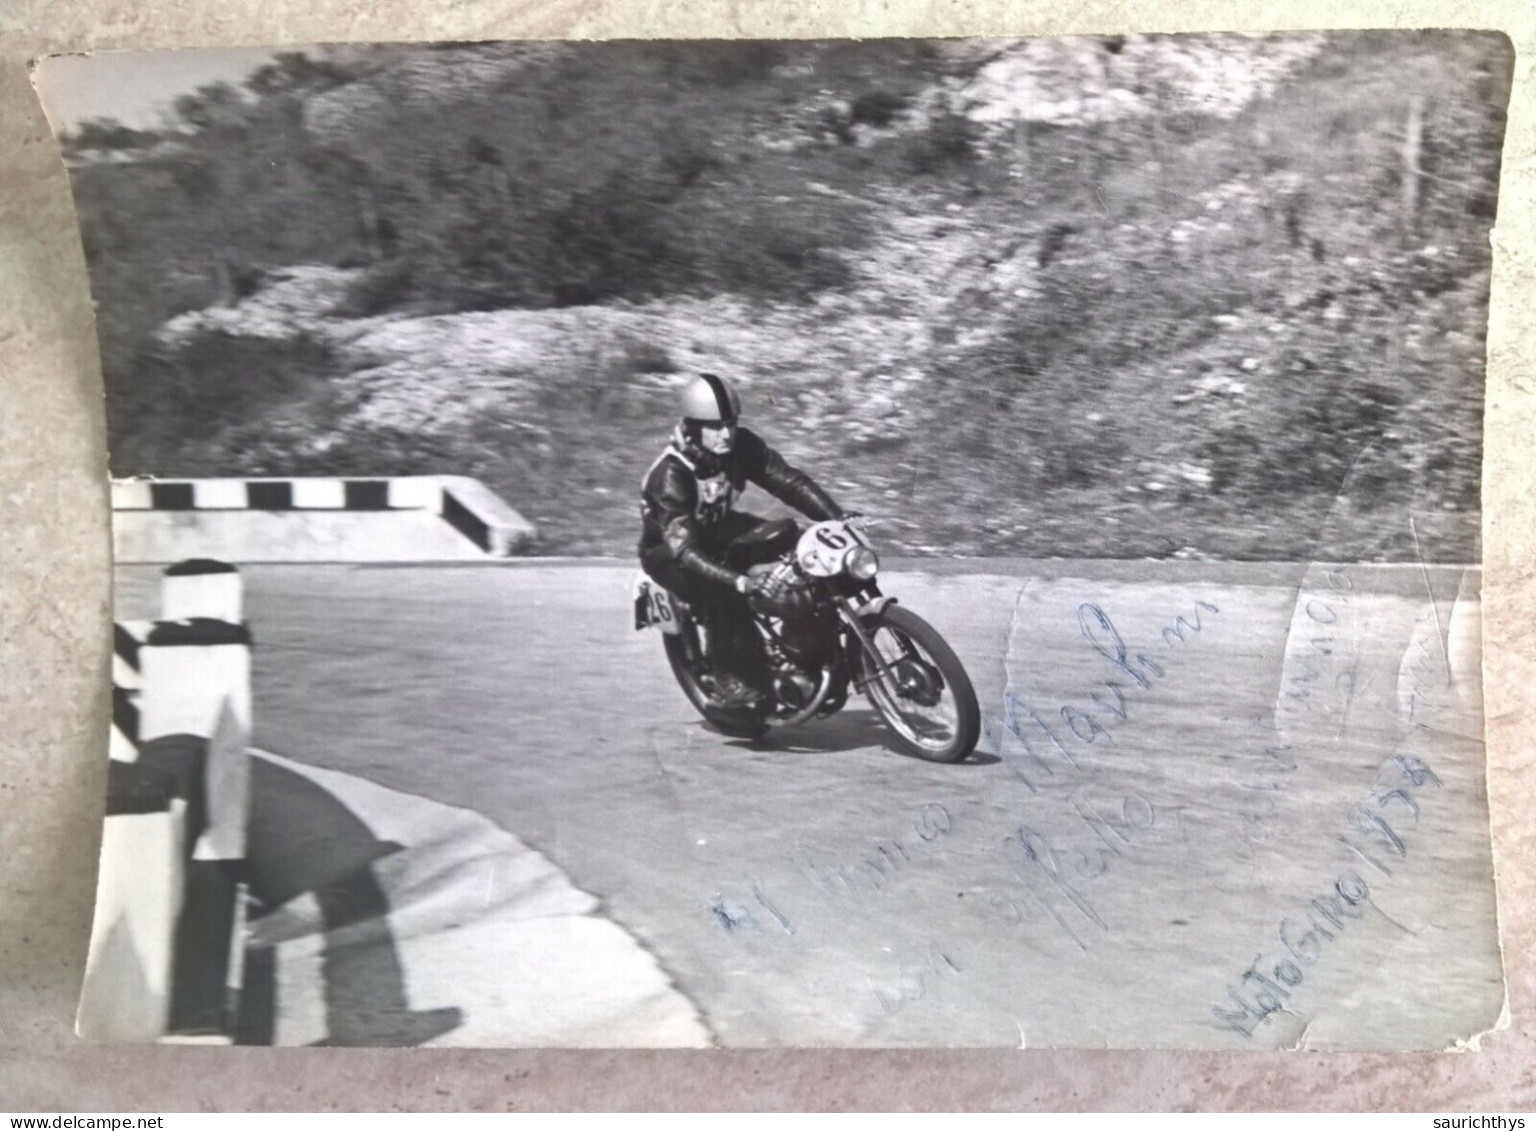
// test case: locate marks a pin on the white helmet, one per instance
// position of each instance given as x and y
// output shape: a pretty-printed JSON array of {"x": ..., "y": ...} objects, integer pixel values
[
  {"x": 710, "y": 402},
  {"x": 709, "y": 399}
]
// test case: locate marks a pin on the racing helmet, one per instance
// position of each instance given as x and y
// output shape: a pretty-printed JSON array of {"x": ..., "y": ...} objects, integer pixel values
[{"x": 710, "y": 402}]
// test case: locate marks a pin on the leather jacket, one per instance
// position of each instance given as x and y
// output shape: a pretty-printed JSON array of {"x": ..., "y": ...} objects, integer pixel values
[{"x": 687, "y": 492}]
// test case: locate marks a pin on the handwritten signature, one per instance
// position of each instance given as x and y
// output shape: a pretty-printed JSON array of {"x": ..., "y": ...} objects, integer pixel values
[
  {"x": 1108, "y": 826},
  {"x": 854, "y": 882},
  {"x": 1267, "y": 984}
]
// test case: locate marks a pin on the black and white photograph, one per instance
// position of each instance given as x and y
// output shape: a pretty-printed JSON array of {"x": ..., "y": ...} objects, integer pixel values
[{"x": 834, "y": 543}]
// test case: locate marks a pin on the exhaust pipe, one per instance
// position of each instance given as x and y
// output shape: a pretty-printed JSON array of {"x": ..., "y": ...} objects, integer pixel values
[{"x": 805, "y": 713}]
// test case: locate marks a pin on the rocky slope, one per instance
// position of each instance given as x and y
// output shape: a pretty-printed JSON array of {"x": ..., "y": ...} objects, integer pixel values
[{"x": 1144, "y": 297}]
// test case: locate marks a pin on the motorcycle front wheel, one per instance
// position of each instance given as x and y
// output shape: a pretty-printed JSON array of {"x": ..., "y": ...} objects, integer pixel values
[
  {"x": 922, "y": 693},
  {"x": 682, "y": 654}
]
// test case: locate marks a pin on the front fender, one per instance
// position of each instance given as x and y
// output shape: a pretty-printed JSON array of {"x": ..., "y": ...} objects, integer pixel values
[{"x": 874, "y": 606}]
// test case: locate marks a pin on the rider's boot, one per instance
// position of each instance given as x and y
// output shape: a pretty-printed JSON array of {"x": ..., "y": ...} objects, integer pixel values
[
  {"x": 736, "y": 693},
  {"x": 734, "y": 653}
]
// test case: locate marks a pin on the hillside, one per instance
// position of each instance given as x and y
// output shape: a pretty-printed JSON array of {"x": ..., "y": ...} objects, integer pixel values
[{"x": 1121, "y": 298}]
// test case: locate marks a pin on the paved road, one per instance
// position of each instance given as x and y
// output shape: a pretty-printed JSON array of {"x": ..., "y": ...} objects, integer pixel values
[{"x": 1160, "y": 803}]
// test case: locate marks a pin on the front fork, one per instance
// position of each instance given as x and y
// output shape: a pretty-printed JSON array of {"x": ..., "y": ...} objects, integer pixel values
[{"x": 879, "y": 668}]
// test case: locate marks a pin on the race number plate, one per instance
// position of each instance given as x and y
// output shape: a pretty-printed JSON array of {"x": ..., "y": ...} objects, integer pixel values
[
  {"x": 653, "y": 607},
  {"x": 824, "y": 547}
]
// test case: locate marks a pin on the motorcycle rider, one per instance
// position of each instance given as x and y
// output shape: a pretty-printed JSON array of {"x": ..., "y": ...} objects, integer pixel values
[{"x": 692, "y": 539}]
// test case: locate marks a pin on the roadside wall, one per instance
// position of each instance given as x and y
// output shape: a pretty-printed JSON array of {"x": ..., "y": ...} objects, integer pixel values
[{"x": 410, "y": 518}]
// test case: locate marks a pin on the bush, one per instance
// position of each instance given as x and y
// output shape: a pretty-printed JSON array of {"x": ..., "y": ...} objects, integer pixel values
[
  {"x": 949, "y": 140},
  {"x": 186, "y": 400},
  {"x": 384, "y": 287},
  {"x": 877, "y": 108},
  {"x": 641, "y": 356}
]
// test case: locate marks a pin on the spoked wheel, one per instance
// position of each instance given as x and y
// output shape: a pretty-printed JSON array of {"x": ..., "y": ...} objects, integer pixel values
[
  {"x": 923, "y": 694},
  {"x": 684, "y": 654}
]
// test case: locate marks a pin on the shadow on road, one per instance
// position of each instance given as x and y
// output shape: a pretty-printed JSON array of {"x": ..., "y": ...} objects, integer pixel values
[
  {"x": 304, "y": 840},
  {"x": 848, "y": 730}
]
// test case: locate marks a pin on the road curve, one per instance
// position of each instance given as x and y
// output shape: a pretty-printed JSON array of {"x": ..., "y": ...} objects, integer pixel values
[{"x": 1181, "y": 765}]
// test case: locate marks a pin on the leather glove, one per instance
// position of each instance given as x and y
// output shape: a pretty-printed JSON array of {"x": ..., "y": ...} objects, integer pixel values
[{"x": 778, "y": 592}]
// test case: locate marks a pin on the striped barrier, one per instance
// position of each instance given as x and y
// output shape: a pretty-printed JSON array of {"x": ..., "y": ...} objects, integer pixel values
[
  {"x": 127, "y": 680},
  {"x": 408, "y": 518}
]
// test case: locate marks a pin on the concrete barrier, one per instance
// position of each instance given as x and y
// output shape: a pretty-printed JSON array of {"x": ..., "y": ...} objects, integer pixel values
[
  {"x": 441, "y": 518},
  {"x": 126, "y": 994}
]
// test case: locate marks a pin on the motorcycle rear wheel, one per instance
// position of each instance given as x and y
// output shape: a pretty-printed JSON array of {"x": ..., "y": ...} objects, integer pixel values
[
  {"x": 731, "y": 723},
  {"x": 917, "y": 652}
]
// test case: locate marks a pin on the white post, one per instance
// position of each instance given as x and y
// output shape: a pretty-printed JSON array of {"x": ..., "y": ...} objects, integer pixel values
[
  {"x": 195, "y": 719},
  {"x": 202, "y": 588},
  {"x": 190, "y": 670}
]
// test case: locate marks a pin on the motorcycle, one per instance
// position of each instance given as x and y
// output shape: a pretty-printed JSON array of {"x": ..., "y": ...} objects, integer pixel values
[{"x": 844, "y": 635}]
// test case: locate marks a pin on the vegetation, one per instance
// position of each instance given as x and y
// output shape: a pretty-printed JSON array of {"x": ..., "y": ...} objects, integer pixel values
[{"x": 1145, "y": 310}]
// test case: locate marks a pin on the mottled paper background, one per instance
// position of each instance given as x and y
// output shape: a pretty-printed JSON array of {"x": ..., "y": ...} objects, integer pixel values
[{"x": 54, "y": 639}]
